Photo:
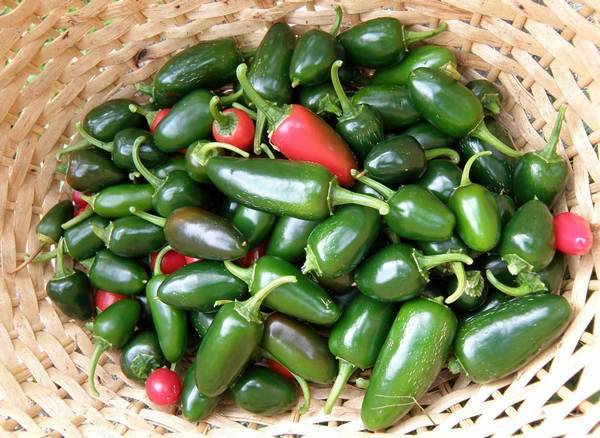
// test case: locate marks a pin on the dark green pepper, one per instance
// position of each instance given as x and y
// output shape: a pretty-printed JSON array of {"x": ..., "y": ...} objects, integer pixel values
[
  {"x": 198, "y": 154},
  {"x": 194, "y": 405},
  {"x": 198, "y": 285},
  {"x": 92, "y": 170},
  {"x": 411, "y": 358},
  {"x": 289, "y": 238},
  {"x": 488, "y": 94},
  {"x": 303, "y": 299},
  {"x": 499, "y": 341},
  {"x": 262, "y": 391},
  {"x": 141, "y": 355},
  {"x": 379, "y": 42},
  {"x": 428, "y": 136},
  {"x": 391, "y": 102},
  {"x": 441, "y": 178},
  {"x": 70, "y": 290},
  {"x": 201, "y": 321},
  {"x": 198, "y": 233},
  {"x": 255, "y": 225},
  {"x": 357, "y": 338},
  {"x": 399, "y": 272},
  {"x": 434, "y": 57},
  {"x": 81, "y": 242},
  {"x": 104, "y": 121},
  {"x": 175, "y": 162},
  {"x": 360, "y": 125},
  {"x": 284, "y": 187},
  {"x": 131, "y": 236},
  {"x": 506, "y": 207},
  {"x": 314, "y": 54},
  {"x": 320, "y": 99},
  {"x": 116, "y": 274},
  {"x": 542, "y": 174},
  {"x": 112, "y": 329},
  {"x": 231, "y": 341},
  {"x": 115, "y": 201},
  {"x": 474, "y": 293},
  {"x": 477, "y": 215}
]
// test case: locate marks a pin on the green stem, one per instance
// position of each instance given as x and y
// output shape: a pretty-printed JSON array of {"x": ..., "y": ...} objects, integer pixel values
[
  {"x": 249, "y": 309},
  {"x": 464, "y": 180},
  {"x": 108, "y": 147},
  {"x": 375, "y": 185},
  {"x": 311, "y": 264},
  {"x": 272, "y": 113},
  {"x": 451, "y": 154},
  {"x": 102, "y": 234},
  {"x": 156, "y": 268},
  {"x": 454, "y": 366},
  {"x": 341, "y": 196},
  {"x": 482, "y": 133},
  {"x": 338, "y": 21},
  {"x": 244, "y": 274},
  {"x": 153, "y": 219},
  {"x": 450, "y": 69},
  {"x": 81, "y": 144},
  {"x": 85, "y": 214},
  {"x": 204, "y": 152},
  {"x": 413, "y": 37},
  {"x": 345, "y": 372},
  {"x": 43, "y": 258},
  {"x": 267, "y": 150},
  {"x": 347, "y": 107},
  {"x": 29, "y": 259},
  {"x": 62, "y": 168},
  {"x": 549, "y": 152},
  {"x": 224, "y": 121},
  {"x": 431, "y": 261},
  {"x": 251, "y": 114},
  {"x": 100, "y": 347},
  {"x": 149, "y": 115},
  {"x": 229, "y": 99},
  {"x": 141, "y": 168},
  {"x": 461, "y": 282},
  {"x": 145, "y": 89},
  {"x": 362, "y": 383},
  {"x": 59, "y": 270},
  {"x": 305, "y": 394},
  {"x": 491, "y": 102},
  {"x": 87, "y": 263},
  {"x": 518, "y": 291},
  {"x": 261, "y": 120}
]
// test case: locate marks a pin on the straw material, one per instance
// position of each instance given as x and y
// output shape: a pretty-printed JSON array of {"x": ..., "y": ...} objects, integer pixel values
[{"x": 59, "y": 59}]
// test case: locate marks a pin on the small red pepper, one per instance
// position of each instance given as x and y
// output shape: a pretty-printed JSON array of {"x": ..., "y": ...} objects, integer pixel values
[
  {"x": 232, "y": 126},
  {"x": 78, "y": 201},
  {"x": 163, "y": 387},
  {"x": 572, "y": 234},
  {"x": 253, "y": 255},
  {"x": 299, "y": 134},
  {"x": 161, "y": 114},
  {"x": 105, "y": 299},
  {"x": 171, "y": 261},
  {"x": 273, "y": 365}
]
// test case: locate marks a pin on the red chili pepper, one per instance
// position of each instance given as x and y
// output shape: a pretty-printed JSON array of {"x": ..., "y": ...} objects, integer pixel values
[
  {"x": 105, "y": 299},
  {"x": 78, "y": 201},
  {"x": 189, "y": 260},
  {"x": 253, "y": 255},
  {"x": 299, "y": 134},
  {"x": 273, "y": 365},
  {"x": 572, "y": 234},
  {"x": 161, "y": 114},
  {"x": 171, "y": 261},
  {"x": 163, "y": 386},
  {"x": 232, "y": 126}
]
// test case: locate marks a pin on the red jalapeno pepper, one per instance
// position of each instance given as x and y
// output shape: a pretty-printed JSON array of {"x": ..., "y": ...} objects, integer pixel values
[
  {"x": 170, "y": 262},
  {"x": 572, "y": 234},
  {"x": 161, "y": 114},
  {"x": 232, "y": 126}
]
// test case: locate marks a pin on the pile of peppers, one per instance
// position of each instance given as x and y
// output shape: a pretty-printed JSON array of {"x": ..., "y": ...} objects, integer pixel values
[{"x": 331, "y": 204}]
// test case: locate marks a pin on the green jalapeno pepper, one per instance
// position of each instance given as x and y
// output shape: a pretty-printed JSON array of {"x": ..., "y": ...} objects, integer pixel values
[
  {"x": 320, "y": 99},
  {"x": 115, "y": 201},
  {"x": 379, "y": 42},
  {"x": 141, "y": 355},
  {"x": 494, "y": 299},
  {"x": 289, "y": 238},
  {"x": 411, "y": 358},
  {"x": 303, "y": 299},
  {"x": 499, "y": 341},
  {"x": 284, "y": 187},
  {"x": 474, "y": 294},
  {"x": 131, "y": 236},
  {"x": 399, "y": 272},
  {"x": 194, "y": 405},
  {"x": 476, "y": 211},
  {"x": 231, "y": 341},
  {"x": 357, "y": 338},
  {"x": 428, "y": 136},
  {"x": 104, "y": 121},
  {"x": 441, "y": 178},
  {"x": 391, "y": 102},
  {"x": 112, "y": 328},
  {"x": 198, "y": 154},
  {"x": 175, "y": 162},
  {"x": 199, "y": 285},
  {"x": 506, "y": 207},
  {"x": 488, "y": 94},
  {"x": 92, "y": 170},
  {"x": 112, "y": 273},
  {"x": 201, "y": 321},
  {"x": 262, "y": 391},
  {"x": 255, "y": 225},
  {"x": 542, "y": 174}
]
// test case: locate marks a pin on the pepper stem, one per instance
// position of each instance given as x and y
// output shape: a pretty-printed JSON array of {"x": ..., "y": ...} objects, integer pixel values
[
  {"x": 156, "y": 270},
  {"x": 375, "y": 185},
  {"x": 60, "y": 271},
  {"x": 229, "y": 99},
  {"x": 413, "y": 37},
  {"x": 43, "y": 258},
  {"x": 271, "y": 112},
  {"x": 223, "y": 121},
  {"x": 450, "y": 154},
  {"x": 450, "y": 69},
  {"x": 261, "y": 120},
  {"x": 141, "y": 168},
  {"x": 549, "y": 152},
  {"x": 108, "y": 147},
  {"x": 100, "y": 347},
  {"x": 153, "y": 219},
  {"x": 249, "y": 309},
  {"x": 101, "y": 233},
  {"x": 29, "y": 259},
  {"x": 362, "y": 383},
  {"x": 345, "y": 372},
  {"x": 483, "y": 133},
  {"x": 149, "y": 115},
  {"x": 518, "y": 291},
  {"x": 338, "y": 21},
  {"x": 268, "y": 152},
  {"x": 454, "y": 366},
  {"x": 85, "y": 214},
  {"x": 244, "y": 274},
  {"x": 341, "y": 196},
  {"x": 145, "y": 89},
  {"x": 81, "y": 144},
  {"x": 461, "y": 282},
  {"x": 429, "y": 262},
  {"x": 311, "y": 264},
  {"x": 464, "y": 179},
  {"x": 305, "y": 394},
  {"x": 491, "y": 102},
  {"x": 87, "y": 263},
  {"x": 347, "y": 107},
  {"x": 251, "y": 114},
  {"x": 206, "y": 148}
]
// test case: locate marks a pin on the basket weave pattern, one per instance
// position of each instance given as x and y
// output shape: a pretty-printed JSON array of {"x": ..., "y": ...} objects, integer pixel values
[{"x": 59, "y": 59}]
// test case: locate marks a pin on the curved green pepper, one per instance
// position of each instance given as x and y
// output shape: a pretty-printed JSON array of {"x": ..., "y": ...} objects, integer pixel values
[
  {"x": 428, "y": 136},
  {"x": 320, "y": 99},
  {"x": 391, "y": 102},
  {"x": 141, "y": 355},
  {"x": 303, "y": 299},
  {"x": 115, "y": 201},
  {"x": 116, "y": 274},
  {"x": 194, "y": 405},
  {"x": 91, "y": 170},
  {"x": 198, "y": 154},
  {"x": 357, "y": 338},
  {"x": 262, "y": 391},
  {"x": 199, "y": 285},
  {"x": 399, "y": 272},
  {"x": 474, "y": 294},
  {"x": 499, "y": 341},
  {"x": 175, "y": 162},
  {"x": 441, "y": 178},
  {"x": 289, "y": 238},
  {"x": 131, "y": 236},
  {"x": 488, "y": 94},
  {"x": 231, "y": 341},
  {"x": 81, "y": 242},
  {"x": 411, "y": 358},
  {"x": 201, "y": 321},
  {"x": 104, "y": 121},
  {"x": 255, "y": 225},
  {"x": 506, "y": 207}
]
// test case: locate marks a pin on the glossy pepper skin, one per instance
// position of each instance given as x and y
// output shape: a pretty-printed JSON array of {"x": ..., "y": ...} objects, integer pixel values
[
  {"x": 141, "y": 355},
  {"x": 115, "y": 201},
  {"x": 201, "y": 321},
  {"x": 488, "y": 94},
  {"x": 411, "y": 358},
  {"x": 475, "y": 292},
  {"x": 104, "y": 121},
  {"x": 451, "y": 107},
  {"x": 117, "y": 274},
  {"x": 428, "y": 136},
  {"x": 499, "y": 341},
  {"x": 194, "y": 405},
  {"x": 477, "y": 215},
  {"x": 255, "y": 225},
  {"x": 131, "y": 236},
  {"x": 289, "y": 237},
  {"x": 70, "y": 290},
  {"x": 320, "y": 99},
  {"x": 396, "y": 160},
  {"x": 283, "y": 187},
  {"x": 199, "y": 285},
  {"x": 379, "y": 42},
  {"x": 360, "y": 125},
  {"x": 391, "y": 102},
  {"x": 542, "y": 174},
  {"x": 112, "y": 329},
  {"x": 304, "y": 299},
  {"x": 506, "y": 207},
  {"x": 357, "y": 338},
  {"x": 572, "y": 234},
  {"x": 298, "y": 348},
  {"x": 441, "y": 178},
  {"x": 81, "y": 242},
  {"x": 91, "y": 170},
  {"x": 231, "y": 341},
  {"x": 175, "y": 162},
  {"x": 232, "y": 126},
  {"x": 199, "y": 153},
  {"x": 262, "y": 391},
  {"x": 434, "y": 57}
]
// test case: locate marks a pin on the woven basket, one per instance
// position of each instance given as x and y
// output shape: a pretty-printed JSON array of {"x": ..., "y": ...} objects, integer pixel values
[{"x": 58, "y": 59}]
